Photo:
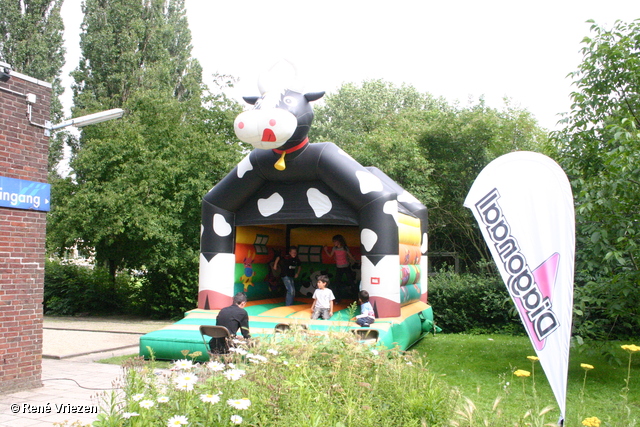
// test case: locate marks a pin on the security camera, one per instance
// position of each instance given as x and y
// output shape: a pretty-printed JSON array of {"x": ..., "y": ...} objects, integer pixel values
[{"x": 5, "y": 74}]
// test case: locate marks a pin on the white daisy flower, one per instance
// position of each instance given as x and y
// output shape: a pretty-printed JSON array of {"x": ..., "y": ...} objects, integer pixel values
[
  {"x": 187, "y": 378},
  {"x": 178, "y": 420},
  {"x": 273, "y": 351},
  {"x": 137, "y": 397},
  {"x": 240, "y": 351},
  {"x": 243, "y": 403},
  {"x": 184, "y": 386},
  {"x": 183, "y": 364},
  {"x": 128, "y": 415},
  {"x": 256, "y": 358},
  {"x": 163, "y": 399},
  {"x": 234, "y": 374},
  {"x": 236, "y": 419},
  {"x": 210, "y": 398},
  {"x": 146, "y": 404},
  {"x": 215, "y": 366}
]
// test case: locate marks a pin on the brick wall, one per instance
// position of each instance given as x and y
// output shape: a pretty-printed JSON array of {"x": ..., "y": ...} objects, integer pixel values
[{"x": 23, "y": 155}]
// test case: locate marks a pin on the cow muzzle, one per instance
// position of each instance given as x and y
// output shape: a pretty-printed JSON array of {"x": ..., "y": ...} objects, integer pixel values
[{"x": 266, "y": 129}]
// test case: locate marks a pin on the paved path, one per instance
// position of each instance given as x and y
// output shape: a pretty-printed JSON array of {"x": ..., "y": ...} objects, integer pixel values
[{"x": 71, "y": 379}]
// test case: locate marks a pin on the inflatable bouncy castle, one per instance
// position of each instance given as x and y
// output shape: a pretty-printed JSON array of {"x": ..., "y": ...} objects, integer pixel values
[{"x": 286, "y": 192}]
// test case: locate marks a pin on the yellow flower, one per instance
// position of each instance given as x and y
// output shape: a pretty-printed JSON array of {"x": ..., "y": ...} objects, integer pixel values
[
  {"x": 533, "y": 358},
  {"x": 630, "y": 348},
  {"x": 591, "y": 422},
  {"x": 586, "y": 366},
  {"x": 521, "y": 373}
]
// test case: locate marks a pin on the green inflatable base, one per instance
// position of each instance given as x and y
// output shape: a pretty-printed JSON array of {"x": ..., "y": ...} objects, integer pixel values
[{"x": 183, "y": 337}]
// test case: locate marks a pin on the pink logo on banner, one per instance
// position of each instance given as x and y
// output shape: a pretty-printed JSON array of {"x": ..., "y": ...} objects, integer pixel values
[{"x": 545, "y": 278}]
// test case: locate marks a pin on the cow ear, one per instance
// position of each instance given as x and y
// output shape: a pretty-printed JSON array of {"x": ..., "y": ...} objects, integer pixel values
[
  {"x": 251, "y": 99},
  {"x": 313, "y": 96}
]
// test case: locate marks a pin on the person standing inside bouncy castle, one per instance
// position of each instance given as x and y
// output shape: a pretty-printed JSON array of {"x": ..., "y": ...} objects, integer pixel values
[
  {"x": 290, "y": 266},
  {"x": 344, "y": 259}
]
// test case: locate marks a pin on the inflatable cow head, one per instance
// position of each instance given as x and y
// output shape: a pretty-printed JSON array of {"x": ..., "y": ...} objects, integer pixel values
[{"x": 280, "y": 121}]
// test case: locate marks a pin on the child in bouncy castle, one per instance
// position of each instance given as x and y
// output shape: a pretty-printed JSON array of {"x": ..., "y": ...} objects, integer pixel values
[
  {"x": 290, "y": 266},
  {"x": 367, "y": 316},
  {"x": 344, "y": 259},
  {"x": 322, "y": 299}
]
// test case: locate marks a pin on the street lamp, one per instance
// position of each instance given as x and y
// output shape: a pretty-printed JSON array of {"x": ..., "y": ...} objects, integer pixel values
[{"x": 91, "y": 119}]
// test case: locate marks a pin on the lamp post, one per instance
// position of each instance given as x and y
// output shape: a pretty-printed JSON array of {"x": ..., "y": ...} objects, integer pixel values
[{"x": 90, "y": 119}]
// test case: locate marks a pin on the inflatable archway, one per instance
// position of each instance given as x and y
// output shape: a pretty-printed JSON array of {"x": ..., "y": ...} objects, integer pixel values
[{"x": 288, "y": 191}]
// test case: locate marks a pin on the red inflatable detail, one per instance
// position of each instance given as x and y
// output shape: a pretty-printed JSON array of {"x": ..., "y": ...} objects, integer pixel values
[
  {"x": 268, "y": 135},
  {"x": 212, "y": 300}
]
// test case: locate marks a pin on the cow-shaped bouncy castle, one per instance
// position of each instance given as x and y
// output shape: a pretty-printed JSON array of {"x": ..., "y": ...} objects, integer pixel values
[{"x": 288, "y": 191}]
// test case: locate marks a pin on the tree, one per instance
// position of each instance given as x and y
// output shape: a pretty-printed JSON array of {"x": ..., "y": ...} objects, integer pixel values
[
  {"x": 432, "y": 149},
  {"x": 135, "y": 196},
  {"x": 599, "y": 149},
  {"x": 460, "y": 142},
  {"x": 32, "y": 42}
]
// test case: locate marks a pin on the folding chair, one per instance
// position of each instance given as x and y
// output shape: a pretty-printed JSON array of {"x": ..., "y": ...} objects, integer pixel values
[
  {"x": 285, "y": 327},
  {"x": 366, "y": 335},
  {"x": 281, "y": 327},
  {"x": 219, "y": 342}
]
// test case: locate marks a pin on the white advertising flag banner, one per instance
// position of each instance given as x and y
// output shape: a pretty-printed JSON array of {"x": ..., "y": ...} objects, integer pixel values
[{"x": 524, "y": 207}]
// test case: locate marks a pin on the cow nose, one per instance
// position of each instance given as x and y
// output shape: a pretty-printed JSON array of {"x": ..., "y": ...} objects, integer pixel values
[
  {"x": 241, "y": 125},
  {"x": 272, "y": 122}
]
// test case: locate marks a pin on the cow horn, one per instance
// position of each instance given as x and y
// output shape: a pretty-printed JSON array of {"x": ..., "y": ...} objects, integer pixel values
[{"x": 282, "y": 75}]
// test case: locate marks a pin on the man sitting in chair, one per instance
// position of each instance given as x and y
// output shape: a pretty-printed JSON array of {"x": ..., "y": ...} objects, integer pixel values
[{"x": 233, "y": 318}]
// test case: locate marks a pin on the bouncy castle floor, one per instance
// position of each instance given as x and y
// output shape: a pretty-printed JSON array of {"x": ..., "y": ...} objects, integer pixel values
[{"x": 168, "y": 343}]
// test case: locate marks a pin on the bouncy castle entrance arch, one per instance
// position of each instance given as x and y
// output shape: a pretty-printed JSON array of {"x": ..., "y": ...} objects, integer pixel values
[{"x": 296, "y": 182}]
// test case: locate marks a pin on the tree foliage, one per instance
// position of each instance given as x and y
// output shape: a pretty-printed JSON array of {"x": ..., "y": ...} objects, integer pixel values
[
  {"x": 138, "y": 182},
  {"x": 131, "y": 45},
  {"x": 599, "y": 148},
  {"x": 32, "y": 43},
  {"x": 431, "y": 148}
]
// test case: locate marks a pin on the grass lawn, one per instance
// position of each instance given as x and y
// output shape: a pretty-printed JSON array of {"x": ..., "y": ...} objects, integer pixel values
[{"x": 482, "y": 366}]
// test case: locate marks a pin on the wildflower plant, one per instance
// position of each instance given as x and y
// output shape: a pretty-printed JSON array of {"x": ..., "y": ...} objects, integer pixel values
[
  {"x": 290, "y": 379},
  {"x": 629, "y": 348},
  {"x": 586, "y": 368}
]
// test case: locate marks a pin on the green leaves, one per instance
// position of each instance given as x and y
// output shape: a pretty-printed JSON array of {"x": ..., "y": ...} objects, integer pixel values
[
  {"x": 432, "y": 149},
  {"x": 138, "y": 182},
  {"x": 599, "y": 148}
]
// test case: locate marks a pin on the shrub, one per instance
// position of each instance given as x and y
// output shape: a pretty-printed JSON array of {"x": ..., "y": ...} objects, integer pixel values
[
  {"x": 472, "y": 303},
  {"x": 72, "y": 289},
  {"x": 167, "y": 293}
]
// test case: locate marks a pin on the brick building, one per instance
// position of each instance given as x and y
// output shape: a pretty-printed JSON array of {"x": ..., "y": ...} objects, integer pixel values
[{"x": 24, "y": 108}]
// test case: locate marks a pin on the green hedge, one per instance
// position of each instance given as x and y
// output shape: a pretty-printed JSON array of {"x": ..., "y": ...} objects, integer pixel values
[
  {"x": 73, "y": 289},
  {"x": 471, "y": 303}
]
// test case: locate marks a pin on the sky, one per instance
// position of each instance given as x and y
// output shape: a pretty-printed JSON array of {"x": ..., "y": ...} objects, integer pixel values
[{"x": 457, "y": 49}]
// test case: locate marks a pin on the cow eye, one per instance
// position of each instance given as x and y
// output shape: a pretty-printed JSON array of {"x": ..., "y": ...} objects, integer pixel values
[{"x": 290, "y": 101}]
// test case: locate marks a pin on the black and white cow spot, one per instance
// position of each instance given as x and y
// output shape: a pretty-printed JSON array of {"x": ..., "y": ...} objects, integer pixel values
[
  {"x": 244, "y": 166},
  {"x": 391, "y": 208},
  {"x": 406, "y": 197},
  {"x": 368, "y": 182},
  {"x": 368, "y": 238},
  {"x": 271, "y": 205},
  {"x": 319, "y": 202},
  {"x": 220, "y": 226}
]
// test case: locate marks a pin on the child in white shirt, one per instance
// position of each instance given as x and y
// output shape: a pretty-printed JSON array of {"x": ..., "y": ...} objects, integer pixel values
[{"x": 322, "y": 299}]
